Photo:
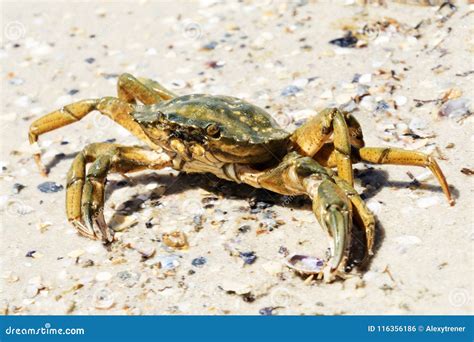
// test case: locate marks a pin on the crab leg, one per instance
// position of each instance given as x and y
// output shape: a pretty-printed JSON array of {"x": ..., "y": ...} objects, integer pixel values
[
  {"x": 362, "y": 215},
  {"x": 387, "y": 155},
  {"x": 396, "y": 156},
  {"x": 114, "y": 108},
  {"x": 145, "y": 90},
  {"x": 297, "y": 175},
  {"x": 311, "y": 137},
  {"x": 85, "y": 193}
]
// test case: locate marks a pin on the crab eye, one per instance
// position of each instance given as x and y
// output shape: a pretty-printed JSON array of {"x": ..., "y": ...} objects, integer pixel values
[{"x": 213, "y": 131}]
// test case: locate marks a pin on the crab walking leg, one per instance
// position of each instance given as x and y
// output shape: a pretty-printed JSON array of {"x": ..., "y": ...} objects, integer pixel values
[
  {"x": 361, "y": 214},
  {"x": 396, "y": 156},
  {"x": 116, "y": 109},
  {"x": 85, "y": 193},
  {"x": 146, "y": 91},
  {"x": 165, "y": 94},
  {"x": 312, "y": 136},
  {"x": 297, "y": 175}
]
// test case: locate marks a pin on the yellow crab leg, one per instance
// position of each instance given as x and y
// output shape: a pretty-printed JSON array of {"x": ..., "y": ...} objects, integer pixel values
[
  {"x": 387, "y": 155},
  {"x": 145, "y": 90},
  {"x": 361, "y": 214},
  {"x": 164, "y": 93},
  {"x": 85, "y": 193},
  {"x": 297, "y": 175},
  {"x": 311, "y": 137},
  {"x": 116, "y": 109},
  {"x": 396, "y": 156}
]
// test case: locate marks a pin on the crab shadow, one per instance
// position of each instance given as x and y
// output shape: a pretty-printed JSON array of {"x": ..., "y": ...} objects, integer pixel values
[{"x": 372, "y": 180}]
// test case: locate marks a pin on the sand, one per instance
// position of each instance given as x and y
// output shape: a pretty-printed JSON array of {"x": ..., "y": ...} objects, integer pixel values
[{"x": 276, "y": 55}]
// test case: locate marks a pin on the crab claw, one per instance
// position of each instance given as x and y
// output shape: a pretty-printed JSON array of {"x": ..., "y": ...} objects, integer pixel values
[
  {"x": 337, "y": 223},
  {"x": 333, "y": 210}
]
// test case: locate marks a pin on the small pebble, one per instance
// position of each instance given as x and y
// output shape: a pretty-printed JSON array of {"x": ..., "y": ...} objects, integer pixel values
[
  {"x": 210, "y": 46},
  {"x": 290, "y": 90},
  {"x": 347, "y": 41},
  {"x": 176, "y": 239},
  {"x": 199, "y": 262},
  {"x": 169, "y": 262},
  {"x": 268, "y": 311},
  {"x": 30, "y": 254},
  {"x": 244, "y": 229},
  {"x": 90, "y": 60},
  {"x": 128, "y": 278},
  {"x": 248, "y": 257},
  {"x": 17, "y": 187},
  {"x": 16, "y": 81},
  {"x": 49, "y": 187}
]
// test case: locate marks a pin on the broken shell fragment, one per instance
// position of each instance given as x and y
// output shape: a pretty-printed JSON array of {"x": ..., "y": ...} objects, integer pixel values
[
  {"x": 104, "y": 299},
  {"x": 455, "y": 108},
  {"x": 120, "y": 223},
  {"x": 305, "y": 264},
  {"x": 176, "y": 239}
]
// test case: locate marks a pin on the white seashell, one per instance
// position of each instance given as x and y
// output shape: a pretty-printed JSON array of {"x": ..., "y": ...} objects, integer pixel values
[
  {"x": 122, "y": 222},
  {"x": 76, "y": 253},
  {"x": 368, "y": 103},
  {"x": 146, "y": 250},
  {"x": 305, "y": 264},
  {"x": 327, "y": 94},
  {"x": 455, "y": 108},
  {"x": 300, "y": 82},
  {"x": 31, "y": 291},
  {"x": 8, "y": 117},
  {"x": 343, "y": 98},
  {"x": 401, "y": 100},
  {"x": 407, "y": 241},
  {"x": 374, "y": 206},
  {"x": 272, "y": 267},
  {"x": 417, "y": 124},
  {"x": 424, "y": 176},
  {"x": 302, "y": 114},
  {"x": 104, "y": 299},
  {"x": 103, "y": 276},
  {"x": 23, "y": 101},
  {"x": 235, "y": 286},
  {"x": 427, "y": 202},
  {"x": 365, "y": 78},
  {"x": 63, "y": 100}
]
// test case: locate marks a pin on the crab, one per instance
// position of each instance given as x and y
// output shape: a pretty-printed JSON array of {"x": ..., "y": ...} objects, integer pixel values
[{"x": 235, "y": 141}]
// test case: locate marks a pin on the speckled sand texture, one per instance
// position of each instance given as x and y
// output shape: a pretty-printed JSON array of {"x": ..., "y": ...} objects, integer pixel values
[{"x": 408, "y": 79}]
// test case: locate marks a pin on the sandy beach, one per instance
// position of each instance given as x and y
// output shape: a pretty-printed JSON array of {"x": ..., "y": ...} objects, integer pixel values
[{"x": 405, "y": 71}]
